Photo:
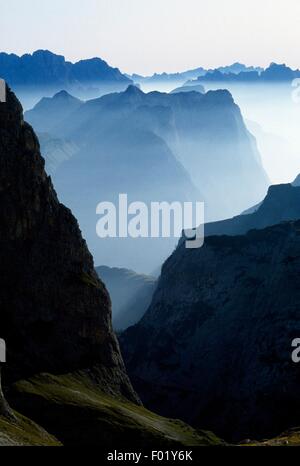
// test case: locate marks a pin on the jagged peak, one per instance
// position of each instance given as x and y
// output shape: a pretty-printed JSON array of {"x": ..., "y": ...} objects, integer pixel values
[
  {"x": 220, "y": 96},
  {"x": 133, "y": 90},
  {"x": 64, "y": 95}
]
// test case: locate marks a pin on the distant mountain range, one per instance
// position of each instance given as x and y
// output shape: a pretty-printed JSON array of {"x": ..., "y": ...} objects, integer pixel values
[
  {"x": 155, "y": 147},
  {"x": 44, "y": 68},
  {"x": 131, "y": 294},
  {"x": 190, "y": 88},
  {"x": 215, "y": 343},
  {"x": 274, "y": 73},
  {"x": 191, "y": 74},
  {"x": 44, "y": 73}
]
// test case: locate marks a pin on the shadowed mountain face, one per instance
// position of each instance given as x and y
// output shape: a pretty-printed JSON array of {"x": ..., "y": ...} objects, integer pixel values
[
  {"x": 214, "y": 348},
  {"x": 156, "y": 147},
  {"x": 44, "y": 73},
  {"x": 55, "y": 312},
  {"x": 131, "y": 294}
]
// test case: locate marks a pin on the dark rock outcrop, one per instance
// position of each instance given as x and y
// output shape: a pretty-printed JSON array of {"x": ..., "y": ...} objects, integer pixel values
[
  {"x": 55, "y": 312},
  {"x": 215, "y": 346}
]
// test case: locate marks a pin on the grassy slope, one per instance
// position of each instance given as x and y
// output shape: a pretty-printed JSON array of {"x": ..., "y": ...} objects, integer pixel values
[
  {"x": 21, "y": 431},
  {"x": 77, "y": 413},
  {"x": 288, "y": 438}
]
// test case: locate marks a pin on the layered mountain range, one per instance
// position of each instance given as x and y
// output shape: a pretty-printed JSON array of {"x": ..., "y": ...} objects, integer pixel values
[
  {"x": 154, "y": 147},
  {"x": 274, "y": 73},
  {"x": 44, "y": 73},
  {"x": 181, "y": 77},
  {"x": 217, "y": 338},
  {"x": 64, "y": 372}
]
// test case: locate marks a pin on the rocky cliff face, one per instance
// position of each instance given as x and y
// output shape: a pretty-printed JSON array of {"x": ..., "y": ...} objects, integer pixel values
[
  {"x": 214, "y": 348},
  {"x": 55, "y": 313}
]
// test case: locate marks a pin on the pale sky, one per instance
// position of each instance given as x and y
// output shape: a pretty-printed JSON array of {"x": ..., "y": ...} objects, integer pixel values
[{"x": 146, "y": 36}]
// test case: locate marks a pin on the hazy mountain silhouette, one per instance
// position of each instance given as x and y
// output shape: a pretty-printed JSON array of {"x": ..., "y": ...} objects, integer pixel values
[
  {"x": 49, "y": 113},
  {"x": 274, "y": 73},
  {"x": 168, "y": 77},
  {"x": 237, "y": 68},
  {"x": 45, "y": 73},
  {"x": 197, "y": 88},
  {"x": 181, "y": 77},
  {"x": 131, "y": 294},
  {"x": 44, "y": 68},
  {"x": 156, "y": 147}
]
